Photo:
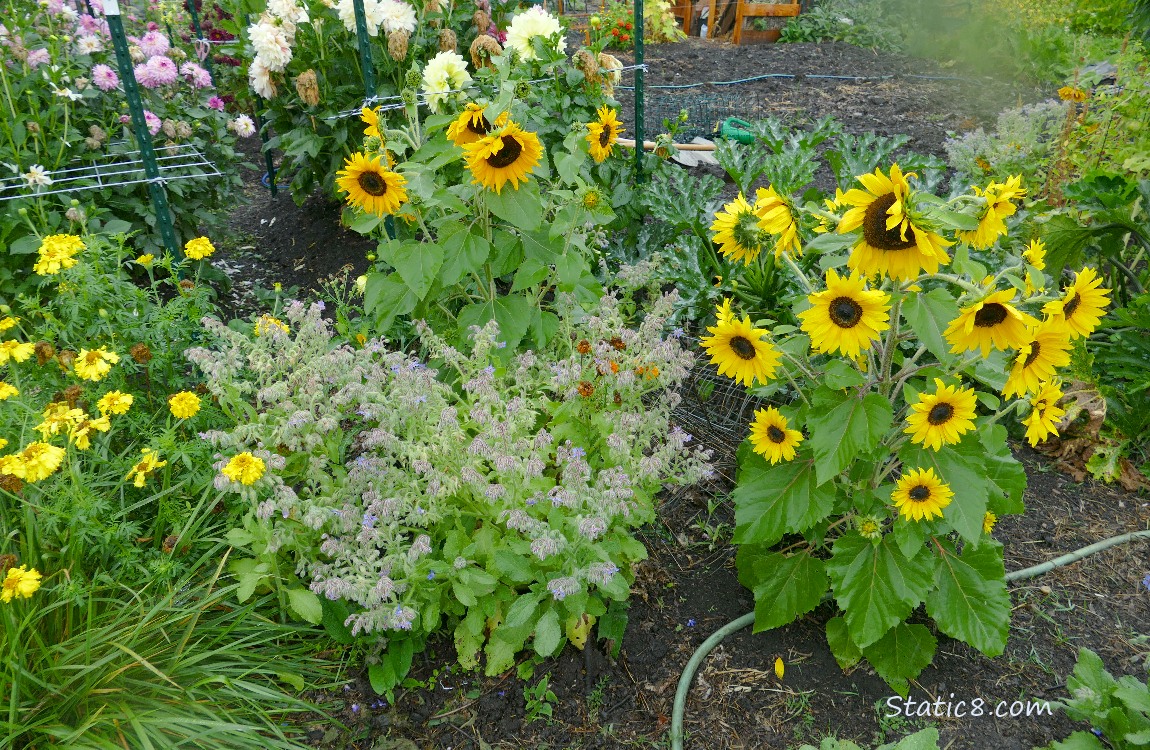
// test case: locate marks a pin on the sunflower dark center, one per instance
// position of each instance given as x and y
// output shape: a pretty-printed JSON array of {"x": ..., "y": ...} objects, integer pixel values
[
  {"x": 1035, "y": 349},
  {"x": 874, "y": 226},
  {"x": 605, "y": 136},
  {"x": 1070, "y": 305},
  {"x": 776, "y": 435},
  {"x": 478, "y": 125},
  {"x": 940, "y": 414},
  {"x": 508, "y": 154},
  {"x": 743, "y": 347},
  {"x": 919, "y": 493},
  {"x": 372, "y": 184},
  {"x": 845, "y": 312},
  {"x": 990, "y": 315}
]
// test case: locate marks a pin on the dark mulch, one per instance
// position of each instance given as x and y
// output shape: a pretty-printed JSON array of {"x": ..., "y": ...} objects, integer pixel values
[{"x": 688, "y": 588}]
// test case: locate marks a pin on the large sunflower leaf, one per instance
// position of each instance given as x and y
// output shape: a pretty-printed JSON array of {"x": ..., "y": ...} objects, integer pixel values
[
  {"x": 875, "y": 585},
  {"x": 964, "y": 473},
  {"x": 418, "y": 263},
  {"x": 846, "y": 653},
  {"x": 786, "y": 587},
  {"x": 522, "y": 207},
  {"x": 969, "y": 601},
  {"x": 774, "y": 500},
  {"x": 929, "y": 314},
  {"x": 902, "y": 654},
  {"x": 843, "y": 427},
  {"x": 1002, "y": 470}
]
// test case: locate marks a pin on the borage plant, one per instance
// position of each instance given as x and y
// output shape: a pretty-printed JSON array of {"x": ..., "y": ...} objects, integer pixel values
[
  {"x": 900, "y": 373},
  {"x": 392, "y": 505}
]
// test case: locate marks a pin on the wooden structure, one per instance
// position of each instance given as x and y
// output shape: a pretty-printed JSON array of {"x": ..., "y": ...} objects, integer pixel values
[{"x": 734, "y": 15}]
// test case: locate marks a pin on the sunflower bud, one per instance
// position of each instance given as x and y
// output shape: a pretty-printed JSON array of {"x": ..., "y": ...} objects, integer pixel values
[
  {"x": 483, "y": 49},
  {"x": 307, "y": 86},
  {"x": 409, "y": 97},
  {"x": 447, "y": 40},
  {"x": 482, "y": 21},
  {"x": 522, "y": 89},
  {"x": 664, "y": 146},
  {"x": 397, "y": 46},
  {"x": 140, "y": 353},
  {"x": 413, "y": 78}
]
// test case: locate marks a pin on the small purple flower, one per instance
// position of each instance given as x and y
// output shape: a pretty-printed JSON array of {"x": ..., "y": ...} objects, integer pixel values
[
  {"x": 691, "y": 623},
  {"x": 578, "y": 453},
  {"x": 431, "y": 575},
  {"x": 489, "y": 370},
  {"x": 677, "y": 333},
  {"x": 215, "y": 103},
  {"x": 355, "y": 708},
  {"x": 1146, "y": 581},
  {"x": 369, "y": 520},
  {"x": 500, "y": 344}
]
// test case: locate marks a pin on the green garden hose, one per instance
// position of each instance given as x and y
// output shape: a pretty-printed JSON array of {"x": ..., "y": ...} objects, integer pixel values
[{"x": 735, "y": 625}]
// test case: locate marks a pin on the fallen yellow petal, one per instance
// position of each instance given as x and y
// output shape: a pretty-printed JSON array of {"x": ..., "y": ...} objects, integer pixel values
[{"x": 779, "y": 667}]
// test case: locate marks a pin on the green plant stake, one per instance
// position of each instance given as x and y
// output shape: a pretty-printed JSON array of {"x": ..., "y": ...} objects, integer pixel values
[
  {"x": 364, "y": 49},
  {"x": 200, "y": 36},
  {"x": 136, "y": 110},
  {"x": 639, "y": 92}
]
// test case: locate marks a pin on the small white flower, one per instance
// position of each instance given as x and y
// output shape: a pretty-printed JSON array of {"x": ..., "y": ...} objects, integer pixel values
[{"x": 37, "y": 177}]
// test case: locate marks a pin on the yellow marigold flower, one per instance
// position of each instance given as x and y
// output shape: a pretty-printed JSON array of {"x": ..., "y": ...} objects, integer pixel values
[
  {"x": 149, "y": 462},
  {"x": 16, "y": 351},
  {"x": 920, "y": 495},
  {"x": 12, "y": 464},
  {"x": 3, "y": 443},
  {"x": 199, "y": 248},
  {"x": 59, "y": 418},
  {"x": 94, "y": 364},
  {"x": 39, "y": 460},
  {"x": 20, "y": 582},
  {"x": 146, "y": 259},
  {"x": 771, "y": 436},
  {"x": 81, "y": 433},
  {"x": 244, "y": 468},
  {"x": 1045, "y": 414},
  {"x": 114, "y": 402},
  {"x": 1072, "y": 94},
  {"x": 988, "y": 522},
  {"x": 1081, "y": 308},
  {"x": 1035, "y": 254},
  {"x": 8, "y": 322},
  {"x": 266, "y": 323},
  {"x": 941, "y": 417},
  {"x": 7, "y": 391},
  {"x": 57, "y": 252},
  {"x": 184, "y": 405}
]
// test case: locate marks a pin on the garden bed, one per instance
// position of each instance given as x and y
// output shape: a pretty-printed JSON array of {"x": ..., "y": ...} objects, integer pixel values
[{"x": 689, "y": 588}]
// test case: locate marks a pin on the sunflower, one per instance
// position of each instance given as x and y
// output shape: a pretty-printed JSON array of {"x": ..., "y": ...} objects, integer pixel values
[
  {"x": 992, "y": 323},
  {"x": 370, "y": 186},
  {"x": 846, "y": 317},
  {"x": 999, "y": 199},
  {"x": 775, "y": 216},
  {"x": 890, "y": 243},
  {"x": 370, "y": 117},
  {"x": 920, "y": 495},
  {"x": 737, "y": 231},
  {"x": 506, "y": 154},
  {"x": 770, "y": 437},
  {"x": 1042, "y": 422},
  {"x": 740, "y": 352},
  {"x": 1047, "y": 348},
  {"x": 1082, "y": 307},
  {"x": 470, "y": 126},
  {"x": 1035, "y": 254},
  {"x": 941, "y": 417},
  {"x": 603, "y": 133}
]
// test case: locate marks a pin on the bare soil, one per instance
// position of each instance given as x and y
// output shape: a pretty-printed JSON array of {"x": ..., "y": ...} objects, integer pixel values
[{"x": 688, "y": 587}]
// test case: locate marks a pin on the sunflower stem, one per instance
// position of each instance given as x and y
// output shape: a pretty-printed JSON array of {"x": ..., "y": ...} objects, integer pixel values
[
  {"x": 966, "y": 285},
  {"x": 891, "y": 344},
  {"x": 802, "y": 277}
]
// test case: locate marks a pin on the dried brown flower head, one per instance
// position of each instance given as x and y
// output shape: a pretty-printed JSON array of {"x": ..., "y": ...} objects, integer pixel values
[
  {"x": 618, "y": 344},
  {"x": 447, "y": 40},
  {"x": 140, "y": 353},
  {"x": 397, "y": 45},
  {"x": 483, "y": 49},
  {"x": 586, "y": 390},
  {"x": 7, "y": 561},
  {"x": 584, "y": 347},
  {"x": 44, "y": 352},
  {"x": 482, "y": 21},
  {"x": 307, "y": 86}
]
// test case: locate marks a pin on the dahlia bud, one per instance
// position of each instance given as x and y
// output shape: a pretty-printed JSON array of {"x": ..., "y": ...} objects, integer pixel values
[
  {"x": 307, "y": 86},
  {"x": 397, "y": 45},
  {"x": 447, "y": 40},
  {"x": 136, "y": 54},
  {"x": 177, "y": 54}
]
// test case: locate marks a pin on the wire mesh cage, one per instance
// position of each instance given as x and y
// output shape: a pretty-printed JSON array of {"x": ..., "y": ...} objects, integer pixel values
[{"x": 175, "y": 162}]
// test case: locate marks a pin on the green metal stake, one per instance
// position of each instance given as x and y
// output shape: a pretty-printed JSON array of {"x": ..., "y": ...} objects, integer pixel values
[
  {"x": 200, "y": 35},
  {"x": 364, "y": 49},
  {"x": 639, "y": 92},
  {"x": 140, "y": 126}
]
